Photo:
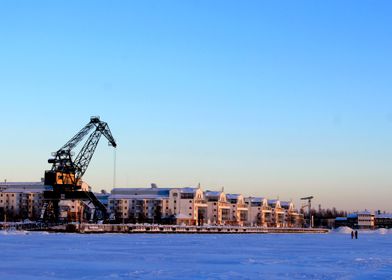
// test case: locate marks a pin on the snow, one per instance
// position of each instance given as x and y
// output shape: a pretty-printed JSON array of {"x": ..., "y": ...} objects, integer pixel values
[
  {"x": 348, "y": 230},
  {"x": 344, "y": 230},
  {"x": 36, "y": 255}
]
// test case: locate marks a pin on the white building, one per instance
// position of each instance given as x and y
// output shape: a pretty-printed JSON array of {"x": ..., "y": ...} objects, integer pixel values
[
  {"x": 365, "y": 220},
  {"x": 259, "y": 212},
  {"x": 188, "y": 206},
  {"x": 238, "y": 209},
  {"x": 21, "y": 200},
  {"x": 140, "y": 204},
  {"x": 218, "y": 209}
]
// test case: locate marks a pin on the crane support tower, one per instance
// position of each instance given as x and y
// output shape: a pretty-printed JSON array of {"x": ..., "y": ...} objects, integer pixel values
[
  {"x": 309, "y": 205},
  {"x": 66, "y": 173}
]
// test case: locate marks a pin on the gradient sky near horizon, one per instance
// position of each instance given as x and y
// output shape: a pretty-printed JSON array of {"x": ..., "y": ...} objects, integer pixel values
[{"x": 274, "y": 98}]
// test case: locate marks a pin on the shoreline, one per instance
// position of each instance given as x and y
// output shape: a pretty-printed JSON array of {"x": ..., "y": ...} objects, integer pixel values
[{"x": 176, "y": 229}]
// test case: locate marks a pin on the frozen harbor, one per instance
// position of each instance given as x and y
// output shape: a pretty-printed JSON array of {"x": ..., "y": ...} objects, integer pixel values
[{"x": 151, "y": 256}]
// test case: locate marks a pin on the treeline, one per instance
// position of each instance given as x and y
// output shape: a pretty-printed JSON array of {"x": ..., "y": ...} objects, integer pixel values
[{"x": 323, "y": 217}]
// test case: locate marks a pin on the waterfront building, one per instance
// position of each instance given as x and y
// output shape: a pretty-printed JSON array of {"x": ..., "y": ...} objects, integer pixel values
[
  {"x": 21, "y": 200},
  {"x": 278, "y": 213},
  {"x": 259, "y": 212},
  {"x": 139, "y": 204},
  {"x": 292, "y": 217},
  {"x": 218, "y": 209},
  {"x": 188, "y": 206},
  {"x": 383, "y": 220},
  {"x": 238, "y": 209},
  {"x": 360, "y": 220}
]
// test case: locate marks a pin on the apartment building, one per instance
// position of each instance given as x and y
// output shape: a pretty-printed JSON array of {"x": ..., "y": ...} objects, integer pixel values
[
  {"x": 21, "y": 200},
  {"x": 238, "y": 209},
  {"x": 218, "y": 209},
  {"x": 259, "y": 212},
  {"x": 139, "y": 204},
  {"x": 188, "y": 206}
]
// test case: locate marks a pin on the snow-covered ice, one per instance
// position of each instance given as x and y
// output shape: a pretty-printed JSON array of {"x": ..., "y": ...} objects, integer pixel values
[{"x": 34, "y": 255}]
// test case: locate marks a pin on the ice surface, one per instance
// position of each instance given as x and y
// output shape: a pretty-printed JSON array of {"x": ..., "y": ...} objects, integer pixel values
[
  {"x": 348, "y": 230},
  {"x": 34, "y": 255}
]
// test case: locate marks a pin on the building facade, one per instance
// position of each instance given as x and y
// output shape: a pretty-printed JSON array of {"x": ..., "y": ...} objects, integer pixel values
[
  {"x": 21, "y": 200},
  {"x": 188, "y": 206}
]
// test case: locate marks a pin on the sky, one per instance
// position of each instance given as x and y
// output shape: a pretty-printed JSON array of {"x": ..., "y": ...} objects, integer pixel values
[{"x": 281, "y": 99}]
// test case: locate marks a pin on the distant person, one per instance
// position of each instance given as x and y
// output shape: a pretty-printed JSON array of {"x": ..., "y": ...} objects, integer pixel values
[
  {"x": 352, "y": 234},
  {"x": 356, "y": 234}
]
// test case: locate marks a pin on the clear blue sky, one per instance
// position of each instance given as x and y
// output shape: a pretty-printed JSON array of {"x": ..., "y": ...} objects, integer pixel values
[{"x": 272, "y": 98}]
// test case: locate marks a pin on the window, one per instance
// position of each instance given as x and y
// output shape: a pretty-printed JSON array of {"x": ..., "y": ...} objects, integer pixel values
[{"x": 187, "y": 195}]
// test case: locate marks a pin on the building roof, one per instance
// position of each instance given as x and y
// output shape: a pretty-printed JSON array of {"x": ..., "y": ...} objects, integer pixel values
[
  {"x": 141, "y": 191},
  {"x": 212, "y": 194},
  {"x": 21, "y": 184},
  {"x": 232, "y": 196},
  {"x": 24, "y": 187},
  {"x": 272, "y": 201},
  {"x": 366, "y": 212},
  {"x": 256, "y": 199},
  {"x": 285, "y": 204},
  {"x": 188, "y": 190},
  {"x": 384, "y": 216},
  {"x": 141, "y": 196}
]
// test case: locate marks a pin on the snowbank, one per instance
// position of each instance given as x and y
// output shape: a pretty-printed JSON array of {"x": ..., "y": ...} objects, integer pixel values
[
  {"x": 348, "y": 230},
  {"x": 343, "y": 230},
  {"x": 13, "y": 232}
]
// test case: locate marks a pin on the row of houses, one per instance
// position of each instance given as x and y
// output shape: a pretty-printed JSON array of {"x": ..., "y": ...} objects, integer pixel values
[
  {"x": 193, "y": 206},
  {"x": 365, "y": 220},
  {"x": 190, "y": 206}
]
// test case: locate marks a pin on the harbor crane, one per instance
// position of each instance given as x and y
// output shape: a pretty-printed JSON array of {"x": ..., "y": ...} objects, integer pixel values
[
  {"x": 66, "y": 173},
  {"x": 309, "y": 205}
]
